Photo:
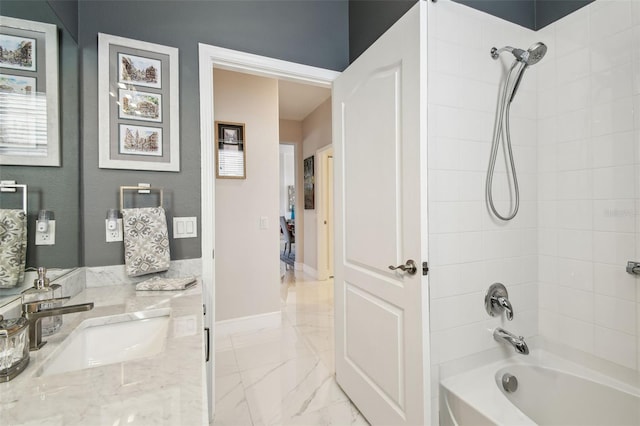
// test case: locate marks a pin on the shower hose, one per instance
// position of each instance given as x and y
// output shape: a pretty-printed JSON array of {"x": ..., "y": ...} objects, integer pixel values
[{"x": 502, "y": 131}]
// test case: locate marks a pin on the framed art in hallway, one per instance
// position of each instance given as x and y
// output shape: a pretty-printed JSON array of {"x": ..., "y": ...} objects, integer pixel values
[
  {"x": 231, "y": 154},
  {"x": 309, "y": 184},
  {"x": 138, "y": 82}
]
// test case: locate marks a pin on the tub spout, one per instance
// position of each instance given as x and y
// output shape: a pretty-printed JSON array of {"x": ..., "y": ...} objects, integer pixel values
[{"x": 503, "y": 336}]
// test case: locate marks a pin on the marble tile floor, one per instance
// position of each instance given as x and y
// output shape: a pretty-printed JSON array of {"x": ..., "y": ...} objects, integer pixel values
[{"x": 284, "y": 375}]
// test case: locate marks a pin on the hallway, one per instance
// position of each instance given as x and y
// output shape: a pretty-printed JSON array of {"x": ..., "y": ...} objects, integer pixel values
[{"x": 284, "y": 375}]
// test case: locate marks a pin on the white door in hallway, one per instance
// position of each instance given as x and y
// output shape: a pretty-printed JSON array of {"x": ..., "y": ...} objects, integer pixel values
[{"x": 382, "y": 346}]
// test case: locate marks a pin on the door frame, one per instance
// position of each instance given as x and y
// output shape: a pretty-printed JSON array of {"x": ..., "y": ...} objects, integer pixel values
[
  {"x": 322, "y": 155},
  {"x": 232, "y": 60}
]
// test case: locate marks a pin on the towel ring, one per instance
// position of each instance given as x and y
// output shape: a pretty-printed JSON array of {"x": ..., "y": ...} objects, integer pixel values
[
  {"x": 138, "y": 188},
  {"x": 11, "y": 187}
]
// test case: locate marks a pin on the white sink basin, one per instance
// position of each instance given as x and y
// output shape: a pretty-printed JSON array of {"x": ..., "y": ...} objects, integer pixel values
[{"x": 109, "y": 340}]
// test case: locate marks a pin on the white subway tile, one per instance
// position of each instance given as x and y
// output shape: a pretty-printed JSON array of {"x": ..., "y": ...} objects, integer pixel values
[
  {"x": 613, "y": 280},
  {"x": 614, "y": 248},
  {"x": 548, "y": 186},
  {"x": 575, "y": 214},
  {"x": 573, "y": 66},
  {"x": 576, "y": 274},
  {"x": 612, "y": 84},
  {"x": 548, "y": 269},
  {"x": 575, "y": 244},
  {"x": 548, "y": 242},
  {"x": 616, "y": 347},
  {"x": 616, "y": 314},
  {"x": 612, "y": 51},
  {"x": 575, "y": 333},
  {"x": 614, "y": 182},
  {"x": 575, "y": 185},
  {"x": 614, "y": 215},
  {"x": 573, "y": 125},
  {"x": 615, "y": 149},
  {"x": 572, "y": 33},
  {"x": 574, "y": 155},
  {"x": 609, "y": 17},
  {"x": 574, "y": 95},
  {"x": 547, "y": 104},
  {"x": 616, "y": 116},
  {"x": 456, "y": 311},
  {"x": 547, "y": 214}
]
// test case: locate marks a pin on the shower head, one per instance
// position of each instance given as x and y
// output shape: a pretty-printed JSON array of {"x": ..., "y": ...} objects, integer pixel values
[{"x": 528, "y": 57}]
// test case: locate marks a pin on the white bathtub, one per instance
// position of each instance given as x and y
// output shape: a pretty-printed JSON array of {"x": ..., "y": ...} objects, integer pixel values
[{"x": 551, "y": 391}]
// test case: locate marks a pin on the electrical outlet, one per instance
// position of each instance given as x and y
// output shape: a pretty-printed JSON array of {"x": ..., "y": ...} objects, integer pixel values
[
  {"x": 113, "y": 235},
  {"x": 47, "y": 238}
]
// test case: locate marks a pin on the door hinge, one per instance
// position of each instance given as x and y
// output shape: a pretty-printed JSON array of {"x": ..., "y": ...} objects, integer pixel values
[
  {"x": 213, "y": 254},
  {"x": 425, "y": 268}
]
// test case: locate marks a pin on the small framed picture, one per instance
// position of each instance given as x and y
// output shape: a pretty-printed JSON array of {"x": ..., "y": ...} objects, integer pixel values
[
  {"x": 17, "y": 53},
  {"x": 231, "y": 155},
  {"x": 17, "y": 84},
  {"x": 139, "y": 140},
  {"x": 139, "y": 70},
  {"x": 136, "y": 105}
]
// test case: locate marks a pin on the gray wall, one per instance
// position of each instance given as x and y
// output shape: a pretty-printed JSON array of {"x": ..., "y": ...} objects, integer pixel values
[
  {"x": 549, "y": 11},
  {"x": 53, "y": 188},
  {"x": 522, "y": 12},
  {"x": 309, "y": 32},
  {"x": 67, "y": 11},
  {"x": 369, "y": 19}
]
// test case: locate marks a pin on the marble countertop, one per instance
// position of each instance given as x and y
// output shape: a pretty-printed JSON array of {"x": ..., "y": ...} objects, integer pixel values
[{"x": 165, "y": 389}]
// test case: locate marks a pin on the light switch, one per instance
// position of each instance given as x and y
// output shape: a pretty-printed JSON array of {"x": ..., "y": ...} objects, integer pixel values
[{"x": 185, "y": 227}]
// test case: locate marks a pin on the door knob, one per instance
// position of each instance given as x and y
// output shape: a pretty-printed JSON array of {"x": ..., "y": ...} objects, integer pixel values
[{"x": 409, "y": 267}]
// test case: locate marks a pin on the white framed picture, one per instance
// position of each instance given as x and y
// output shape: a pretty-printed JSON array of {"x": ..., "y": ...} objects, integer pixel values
[
  {"x": 29, "y": 119},
  {"x": 138, "y": 82}
]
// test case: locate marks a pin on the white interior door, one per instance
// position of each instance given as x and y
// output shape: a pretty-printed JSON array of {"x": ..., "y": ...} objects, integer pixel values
[{"x": 382, "y": 315}]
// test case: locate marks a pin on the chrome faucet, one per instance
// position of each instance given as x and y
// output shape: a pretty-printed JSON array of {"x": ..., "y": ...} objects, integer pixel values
[
  {"x": 33, "y": 312},
  {"x": 496, "y": 300},
  {"x": 503, "y": 336}
]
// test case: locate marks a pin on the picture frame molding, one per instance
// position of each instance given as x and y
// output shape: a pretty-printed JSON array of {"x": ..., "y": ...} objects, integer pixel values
[
  {"x": 50, "y": 31},
  {"x": 170, "y": 110}
]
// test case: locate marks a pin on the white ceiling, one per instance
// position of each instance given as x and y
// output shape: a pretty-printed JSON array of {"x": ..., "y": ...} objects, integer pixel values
[{"x": 299, "y": 100}]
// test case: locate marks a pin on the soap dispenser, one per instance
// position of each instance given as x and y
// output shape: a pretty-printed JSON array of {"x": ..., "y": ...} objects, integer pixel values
[{"x": 43, "y": 290}]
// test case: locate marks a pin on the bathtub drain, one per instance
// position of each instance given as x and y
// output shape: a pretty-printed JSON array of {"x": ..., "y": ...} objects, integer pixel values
[{"x": 509, "y": 383}]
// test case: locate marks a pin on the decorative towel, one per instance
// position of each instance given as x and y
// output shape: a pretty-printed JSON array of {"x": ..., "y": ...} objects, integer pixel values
[
  {"x": 146, "y": 241},
  {"x": 165, "y": 284},
  {"x": 13, "y": 247}
]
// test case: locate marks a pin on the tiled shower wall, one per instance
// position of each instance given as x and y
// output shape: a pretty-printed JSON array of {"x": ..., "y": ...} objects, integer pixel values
[
  {"x": 588, "y": 150},
  {"x": 469, "y": 250}
]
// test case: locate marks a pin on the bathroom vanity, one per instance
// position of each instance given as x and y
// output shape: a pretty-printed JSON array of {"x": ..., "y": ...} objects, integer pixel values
[{"x": 94, "y": 371}]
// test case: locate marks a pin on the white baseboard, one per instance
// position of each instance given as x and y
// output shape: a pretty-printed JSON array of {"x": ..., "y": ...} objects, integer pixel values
[
  {"x": 298, "y": 266},
  {"x": 250, "y": 323},
  {"x": 310, "y": 271}
]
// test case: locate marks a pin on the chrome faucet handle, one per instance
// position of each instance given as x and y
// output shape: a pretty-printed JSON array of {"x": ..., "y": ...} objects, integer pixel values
[
  {"x": 506, "y": 306},
  {"x": 496, "y": 300}
]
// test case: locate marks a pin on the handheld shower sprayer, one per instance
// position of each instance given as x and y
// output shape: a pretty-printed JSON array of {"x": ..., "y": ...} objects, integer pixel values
[{"x": 501, "y": 130}]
